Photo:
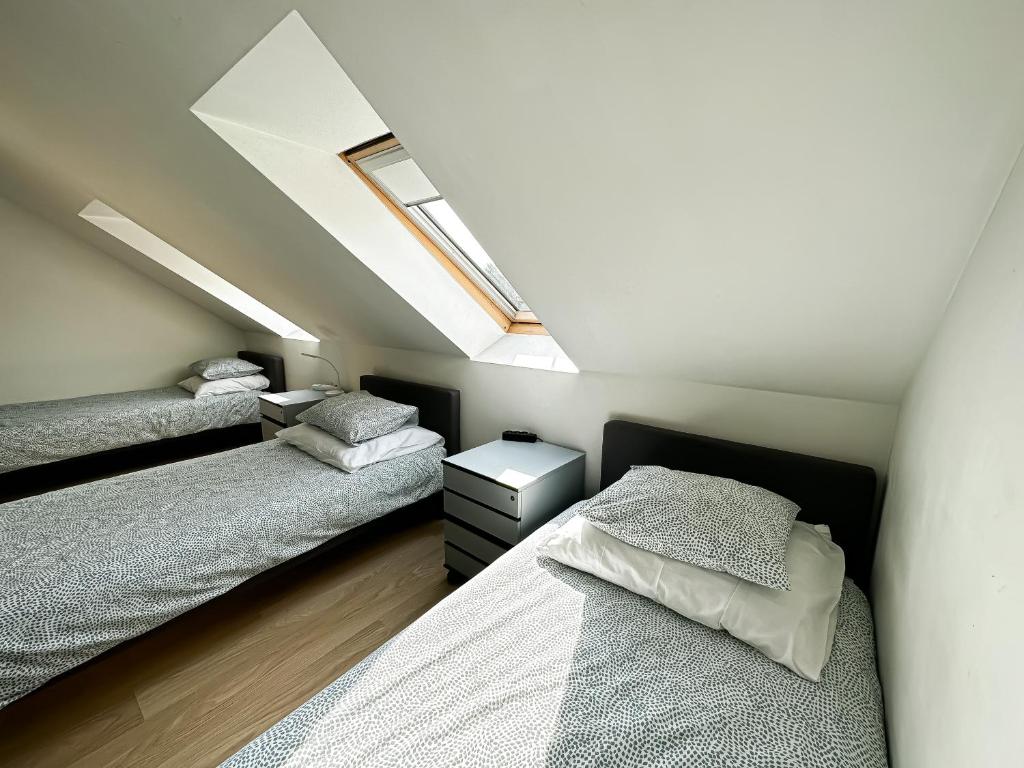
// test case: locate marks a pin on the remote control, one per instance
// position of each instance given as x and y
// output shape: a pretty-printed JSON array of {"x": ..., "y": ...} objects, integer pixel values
[{"x": 517, "y": 436}]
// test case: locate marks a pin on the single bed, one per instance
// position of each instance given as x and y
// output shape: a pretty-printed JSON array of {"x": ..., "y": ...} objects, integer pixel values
[
  {"x": 85, "y": 568},
  {"x": 533, "y": 663},
  {"x": 54, "y": 443}
]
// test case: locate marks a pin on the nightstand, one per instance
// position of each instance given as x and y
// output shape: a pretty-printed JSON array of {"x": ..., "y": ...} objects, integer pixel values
[
  {"x": 499, "y": 493},
  {"x": 279, "y": 409}
]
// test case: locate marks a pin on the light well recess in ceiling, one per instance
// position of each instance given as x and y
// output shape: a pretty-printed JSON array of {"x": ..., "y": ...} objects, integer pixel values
[
  {"x": 169, "y": 257},
  {"x": 289, "y": 109}
]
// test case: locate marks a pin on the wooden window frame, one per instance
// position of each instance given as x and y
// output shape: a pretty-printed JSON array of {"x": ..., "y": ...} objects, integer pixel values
[{"x": 527, "y": 324}]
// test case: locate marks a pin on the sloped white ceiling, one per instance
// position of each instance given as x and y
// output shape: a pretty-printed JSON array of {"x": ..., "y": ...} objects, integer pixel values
[
  {"x": 287, "y": 108},
  {"x": 94, "y": 103},
  {"x": 777, "y": 195},
  {"x": 171, "y": 259}
]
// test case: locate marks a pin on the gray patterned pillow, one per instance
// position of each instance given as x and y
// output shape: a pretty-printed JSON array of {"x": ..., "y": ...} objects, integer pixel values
[
  {"x": 356, "y": 417},
  {"x": 214, "y": 368},
  {"x": 712, "y": 522}
]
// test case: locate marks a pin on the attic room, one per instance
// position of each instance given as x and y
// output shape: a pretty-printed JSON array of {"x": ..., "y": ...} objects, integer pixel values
[{"x": 511, "y": 384}]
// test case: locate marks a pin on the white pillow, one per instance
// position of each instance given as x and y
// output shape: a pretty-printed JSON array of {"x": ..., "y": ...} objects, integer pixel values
[
  {"x": 794, "y": 627},
  {"x": 203, "y": 388},
  {"x": 351, "y": 458}
]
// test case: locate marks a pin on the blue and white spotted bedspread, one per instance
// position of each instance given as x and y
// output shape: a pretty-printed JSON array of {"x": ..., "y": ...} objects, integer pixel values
[
  {"x": 535, "y": 664},
  {"x": 52, "y": 430},
  {"x": 85, "y": 568}
]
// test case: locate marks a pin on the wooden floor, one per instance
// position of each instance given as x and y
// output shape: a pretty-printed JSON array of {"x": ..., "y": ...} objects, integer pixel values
[{"x": 193, "y": 691}]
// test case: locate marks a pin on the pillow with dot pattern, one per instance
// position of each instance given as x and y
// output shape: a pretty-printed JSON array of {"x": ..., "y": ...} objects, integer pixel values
[
  {"x": 712, "y": 522},
  {"x": 215, "y": 368},
  {"x": 356, "y": 417}
]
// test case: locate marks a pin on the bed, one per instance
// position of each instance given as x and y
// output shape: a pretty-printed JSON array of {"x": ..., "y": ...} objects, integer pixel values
[
  {"x": 85, "y": 568},
  {"x": 535, "y": 664},
  {"x": 54, "y": 443}
]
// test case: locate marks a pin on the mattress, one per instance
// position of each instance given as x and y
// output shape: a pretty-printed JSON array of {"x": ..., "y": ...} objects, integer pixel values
[
  {"x": 52, "y": 430},
  {"x": 535, "y": 664},
  {"x": 85, "y": 568}
]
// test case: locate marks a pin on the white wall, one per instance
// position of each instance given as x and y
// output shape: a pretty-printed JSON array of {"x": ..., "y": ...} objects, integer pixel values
[
  {"x": 949, "y": 572},
  {"x": 75, "y": 321},
  {"x": 571, "y": 408}
]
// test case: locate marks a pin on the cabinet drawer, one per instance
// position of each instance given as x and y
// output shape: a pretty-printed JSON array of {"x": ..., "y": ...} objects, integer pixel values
[
  {"x": 480, "y": 517},
  {"x": 270, "y": 429},
  {"x": 484, "y": 491},
  {"x": 469, "y": 541},
  {"x": 460, "y": 562},
  {"x": 272, "y": 411}
]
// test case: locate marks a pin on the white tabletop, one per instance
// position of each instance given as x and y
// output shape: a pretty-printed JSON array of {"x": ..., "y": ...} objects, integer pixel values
[
  {"x": 292, "y": 396},
  {"x": 515, "y": 465}
]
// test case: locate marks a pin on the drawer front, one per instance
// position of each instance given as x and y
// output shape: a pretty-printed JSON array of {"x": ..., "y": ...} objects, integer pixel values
[
  {"x": 461, "y": 562},
  {"x": 484, "y": 491},
  {"x": 270, "y": 429},
  {"x": 291, "y": 418},
  {"x": 272, "y": 410},
  {"x": 480, "y": 517},
  {"x": 469, "y": 541}
]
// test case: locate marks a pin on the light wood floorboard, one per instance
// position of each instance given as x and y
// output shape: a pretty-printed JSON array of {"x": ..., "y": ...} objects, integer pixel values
[{"x": 193, "y": 691}]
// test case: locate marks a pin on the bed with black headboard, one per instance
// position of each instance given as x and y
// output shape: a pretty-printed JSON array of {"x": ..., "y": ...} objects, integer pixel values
[
  {"x": 533, "y": 663},
  {"x": 835, "y": 493},
  {"x": 56, "y": 443},
  {"x": 439, "y": 409},
  {"x": 90, "y": 566},
  {"x": 273, "y": 368}
]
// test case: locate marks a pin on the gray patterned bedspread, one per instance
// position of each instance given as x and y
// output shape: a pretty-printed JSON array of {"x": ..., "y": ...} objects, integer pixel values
[
  {"x": 51, "y": 430},
  {"x": 535, "y": 664},
  {"x": 85, "y": 568}
]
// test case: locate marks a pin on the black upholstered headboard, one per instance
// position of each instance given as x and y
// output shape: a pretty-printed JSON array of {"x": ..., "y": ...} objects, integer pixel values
[
  {"x": 439, "y": 406},
  {"x": 273, "y": 368},
  {"x": 837, "y": 494}
]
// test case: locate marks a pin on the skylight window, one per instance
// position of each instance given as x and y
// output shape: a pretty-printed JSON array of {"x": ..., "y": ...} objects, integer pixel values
[
  {"x": 389, "y": 170},
  {"x": 169, "y": 257}
]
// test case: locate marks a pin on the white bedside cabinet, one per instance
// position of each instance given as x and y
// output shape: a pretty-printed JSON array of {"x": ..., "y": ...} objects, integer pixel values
[
  {"x": 499, "y": 493},
  {"x": 279, "y": 409}
]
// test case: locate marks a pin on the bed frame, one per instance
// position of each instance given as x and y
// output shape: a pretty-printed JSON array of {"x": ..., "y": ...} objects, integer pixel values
[
  {"x": 54, "y": 475},
  {"x": 439, "y": 410},
  {"x": 835, "y": 493}
]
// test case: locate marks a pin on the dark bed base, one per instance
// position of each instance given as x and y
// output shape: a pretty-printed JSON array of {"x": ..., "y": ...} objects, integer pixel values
[{"x": 94, "y": 466}]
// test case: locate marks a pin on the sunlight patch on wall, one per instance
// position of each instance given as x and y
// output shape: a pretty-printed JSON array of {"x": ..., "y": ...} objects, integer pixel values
[{"x": 169, "y": 257}]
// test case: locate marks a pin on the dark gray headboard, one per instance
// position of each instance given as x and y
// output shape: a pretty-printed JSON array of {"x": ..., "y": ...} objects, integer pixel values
[
  {"x": 273, "y": 368},
  {"x": 439, "y": 406},
  {"x": 837, "y": 494}
]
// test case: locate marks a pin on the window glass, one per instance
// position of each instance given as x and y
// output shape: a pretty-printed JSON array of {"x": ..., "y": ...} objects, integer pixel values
[
  {"x": 451, "y": 225},
  {"x": 400, "y": 178}
]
